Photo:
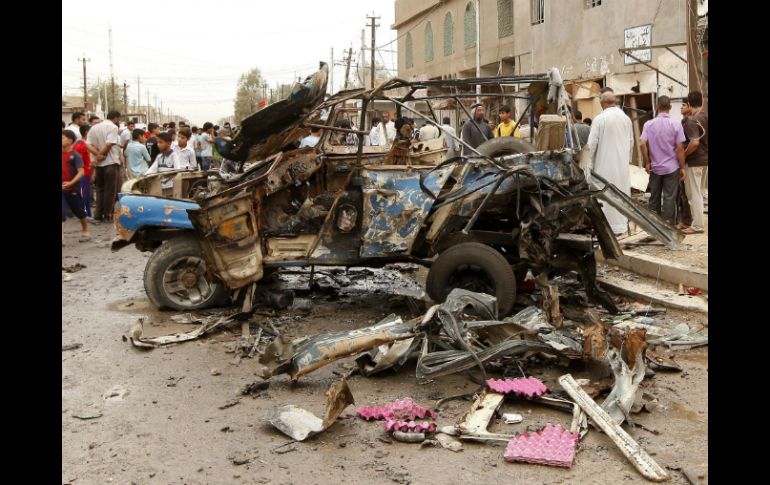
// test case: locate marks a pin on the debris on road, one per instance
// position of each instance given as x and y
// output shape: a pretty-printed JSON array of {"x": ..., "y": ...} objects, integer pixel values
[
  {"x": 230, "y": 403},
  {"x": 239, "y": 459},
  {"x": 400, "y": 415},
  {"x": 314, "y": 352},
  {"x": 408, "y": 426},
  {"x": 473, "y": 426},
  {"x": 208, "y": 324},
  {"x": 254, "y": 387},
  {"x": 300, "y": 424},
  {"x": 408, "y": 436},
  {"x": 528, "y": 387},
  {"x": 72, "y": 346},
  {"x": 73, "y": 268},
  {"x": 398, "y": 409},
  {"x": 643, "y": 462},
  {"x": 449, "y": 442},
  {"x": 115, "y": 393},
  {"x": 512, "y": 418},
  {"x": 88, "y": 414},
  {"x": 553, "y": 445}
]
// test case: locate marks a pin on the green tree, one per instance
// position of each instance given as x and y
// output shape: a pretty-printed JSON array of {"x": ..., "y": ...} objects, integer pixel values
[
  {"x": 250, "y": 91},
  {"x": 281, "y": 91},
  {"x": 98, "y": 89}
]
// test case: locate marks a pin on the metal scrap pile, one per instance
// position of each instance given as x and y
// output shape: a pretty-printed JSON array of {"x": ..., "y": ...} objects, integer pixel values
[{"x": 464, "y": 334}]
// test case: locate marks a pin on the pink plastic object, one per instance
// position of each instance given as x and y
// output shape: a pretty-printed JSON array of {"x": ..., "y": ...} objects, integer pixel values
[
  {"x": 529, "y": 387},
  {"x": 412, "y": 426},
  {"x": 553, "y": 445},
  {"x": 400, "y": 409}
]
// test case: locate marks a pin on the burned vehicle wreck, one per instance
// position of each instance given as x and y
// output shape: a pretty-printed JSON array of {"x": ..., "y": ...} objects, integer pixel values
[{"x": 479, "y": 222}]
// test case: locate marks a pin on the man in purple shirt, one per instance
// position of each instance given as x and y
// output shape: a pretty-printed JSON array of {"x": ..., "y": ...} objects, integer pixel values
[{"x": 662, "y": 144}]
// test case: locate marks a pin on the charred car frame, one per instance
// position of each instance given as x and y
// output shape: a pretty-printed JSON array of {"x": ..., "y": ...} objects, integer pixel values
[{"x": 479, "y": 222}]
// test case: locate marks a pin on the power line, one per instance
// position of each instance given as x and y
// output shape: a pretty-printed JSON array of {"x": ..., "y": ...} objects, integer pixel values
[{"x": 414, "y": 26}]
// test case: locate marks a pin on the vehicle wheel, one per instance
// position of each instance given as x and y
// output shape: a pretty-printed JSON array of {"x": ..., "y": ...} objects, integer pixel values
[
  {"x": 506, "y": 145},
  {"x": 175, "y": 277},
  {"x": 474, "y": 267}
]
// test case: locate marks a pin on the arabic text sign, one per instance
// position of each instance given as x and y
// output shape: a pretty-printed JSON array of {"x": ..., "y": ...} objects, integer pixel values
[{"x": 638, "y": 37}]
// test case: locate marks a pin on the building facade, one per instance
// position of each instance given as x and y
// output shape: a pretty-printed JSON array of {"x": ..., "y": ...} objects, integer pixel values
[{"x": 437, "y": 39}]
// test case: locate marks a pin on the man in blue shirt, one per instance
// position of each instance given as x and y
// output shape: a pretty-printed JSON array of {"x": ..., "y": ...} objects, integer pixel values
[{"x": 137, "y": 155}]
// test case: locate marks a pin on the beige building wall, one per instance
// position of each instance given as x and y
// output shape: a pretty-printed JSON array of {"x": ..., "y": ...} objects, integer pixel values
[{"x": 582, "y": 42}]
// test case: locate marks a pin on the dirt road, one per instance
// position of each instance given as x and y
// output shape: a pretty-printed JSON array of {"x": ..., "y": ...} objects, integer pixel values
[{"x": 161, "y": 418}]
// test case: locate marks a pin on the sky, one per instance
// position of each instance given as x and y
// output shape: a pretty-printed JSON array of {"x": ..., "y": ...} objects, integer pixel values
[{"x": 190, "y": 54}]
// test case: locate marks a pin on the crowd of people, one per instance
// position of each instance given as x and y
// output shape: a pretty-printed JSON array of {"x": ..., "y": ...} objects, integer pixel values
[
  {"x": 675, "y": 155},
  {"x": 98, "y": 156}
]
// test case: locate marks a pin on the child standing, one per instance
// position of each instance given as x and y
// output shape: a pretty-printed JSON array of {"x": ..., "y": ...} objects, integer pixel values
[
  {"x": 196, "y": 144},
  {"x": 183, "y": 151},
  {"x": 136, "y": 154},
  {"x": 81, "y": 147},
  {"x": 72, "y": 173},
  {"x": 166, "y": 161}
]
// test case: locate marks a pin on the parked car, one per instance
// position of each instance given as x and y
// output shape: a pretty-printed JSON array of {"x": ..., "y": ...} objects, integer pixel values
[{"x": 479, "y": 222}]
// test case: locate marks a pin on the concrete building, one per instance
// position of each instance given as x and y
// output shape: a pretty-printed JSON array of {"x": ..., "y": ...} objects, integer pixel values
[
  {"x": 71, "y": 105},
  {"x": 437, "y": 40}
]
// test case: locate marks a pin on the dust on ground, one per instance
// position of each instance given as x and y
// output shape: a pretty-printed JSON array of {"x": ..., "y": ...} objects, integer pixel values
[
  {"x": 694, "y": 251},
  {"x": 160, "y": 418}
]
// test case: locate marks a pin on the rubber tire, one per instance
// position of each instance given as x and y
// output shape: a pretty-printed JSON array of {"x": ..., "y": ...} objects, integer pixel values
[
  {"x": 488, "y": 259},
  {"x": 166, "y": 254},
  {"x": 506, "y": 145}
]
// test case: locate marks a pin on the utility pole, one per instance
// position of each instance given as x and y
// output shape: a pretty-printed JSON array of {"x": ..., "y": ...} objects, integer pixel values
[
  {"x": 125, "y": 96},
  {"x": 147, "y": 120},
  {"x": 360, "y": 67},
  {"x": 138, "y": 95},
  {"x": 347, "y": 65},
  {"x": 112, "y": 76},
  {"x": 161, "y": 112},
  {"x": 331, "y": 73},
  {"x": 85, "y": 81},
  {"x": 693, "y": 59},
  {"x": 478, "y": 51},
  {"x": 373, "y": 25}
]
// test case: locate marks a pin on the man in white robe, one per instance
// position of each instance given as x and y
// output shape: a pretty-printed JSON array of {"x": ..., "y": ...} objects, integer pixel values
[{"x": 610, "y": 145}]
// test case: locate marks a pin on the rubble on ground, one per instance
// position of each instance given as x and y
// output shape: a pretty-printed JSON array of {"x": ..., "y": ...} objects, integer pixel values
[{"x": 465, "y": 335}]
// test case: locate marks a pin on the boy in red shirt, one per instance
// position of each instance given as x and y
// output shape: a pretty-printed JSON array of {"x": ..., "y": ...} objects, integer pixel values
[
  {"x": 71, "y": 175},
  {"x": 82, "y": 148}
]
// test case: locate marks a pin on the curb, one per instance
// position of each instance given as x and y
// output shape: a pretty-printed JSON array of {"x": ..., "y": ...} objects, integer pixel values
[
  {"x": 650, "y": 266},
  {"x": 647, "y": 292}
]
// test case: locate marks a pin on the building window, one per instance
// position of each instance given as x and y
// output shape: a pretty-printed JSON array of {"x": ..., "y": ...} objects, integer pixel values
[
  {"x": 409, "y": 59},
  {"x": 449, "y": 34},
  {"x": 538, "y": 8},
  {"x": 470, "y": 25},
  {"x": 504, "y": 18},
  {"x": 428, "y": 43},
  {"x": 593, "y": 3}
]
